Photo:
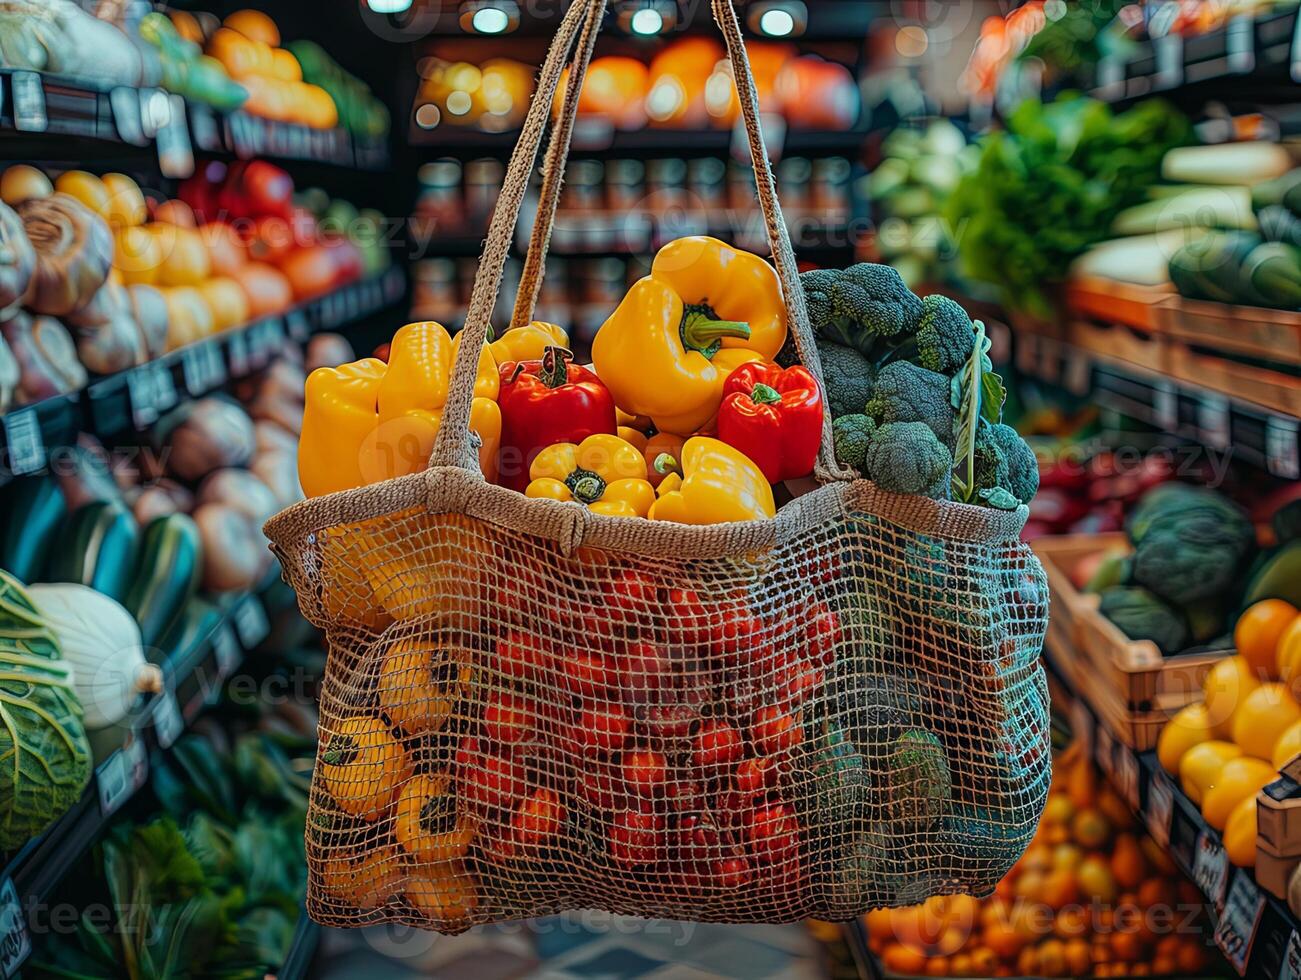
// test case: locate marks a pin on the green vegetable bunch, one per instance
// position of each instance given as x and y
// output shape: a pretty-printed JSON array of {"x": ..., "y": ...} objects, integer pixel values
[
  {"x": 1050, "y": 185},
  {"x": 916, "y": 404}
]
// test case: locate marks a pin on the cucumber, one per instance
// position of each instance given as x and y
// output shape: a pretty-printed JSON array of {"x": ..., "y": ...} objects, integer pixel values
[
  {"x": 1271, "y": 276},
  {"x": 34, "y": 508},
  {"x": 170, "y": 563},
  {"x": 96, "y": 547}
]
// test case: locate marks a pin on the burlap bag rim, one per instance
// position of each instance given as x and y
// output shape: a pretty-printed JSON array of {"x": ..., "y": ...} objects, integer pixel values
[{"x": 448, "y": 489}]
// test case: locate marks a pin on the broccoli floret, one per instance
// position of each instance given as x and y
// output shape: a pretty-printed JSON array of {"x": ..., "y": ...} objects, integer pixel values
[
  {"x": 1004, "y": 459},
  {"x": 848, "y": 376},
  {"x": 852, "y": 434},
  {"x": 859, "y": 305},
  {"x": 907, "y": 392},
  {"x": 1142, "y": 616},
  {"x": 944, "y": 335},
  {"x": 1190, "y": 544},
  {"x": 906, "y": 457}
]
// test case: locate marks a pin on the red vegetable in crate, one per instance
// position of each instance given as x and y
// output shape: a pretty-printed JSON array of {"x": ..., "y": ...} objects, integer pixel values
[
  {"x": 545, "y": 402},
  {"x": 311, "y": 271},
  {"x": 774, "y": 416},
  {"x": 200, "y": 191},
  {"x": 255, "y": 188}
]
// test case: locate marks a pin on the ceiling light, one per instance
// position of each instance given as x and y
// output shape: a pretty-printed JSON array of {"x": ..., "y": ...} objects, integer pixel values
[
  {"x": 388, "y": 6},
  {"x": 778, "y": 18},
  {"x": 646, "y": 18},
  {"x": 489, "y": 16}
]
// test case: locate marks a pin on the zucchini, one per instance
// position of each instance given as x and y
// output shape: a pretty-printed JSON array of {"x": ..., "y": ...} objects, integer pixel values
[
  {"x": 1275, "y": 192},
  {"x": 1210, "y": 267},
  {"x": 170, "y": 565},
  {"x": 1271, "y": 276},
  {"x": 96, "y": 547},
  {"x": 1226, "y": 163},
  {"x": 1200, "y": 207},
  {"x": 1278, "y": 224},
  {"x": 34, "y": 508}
]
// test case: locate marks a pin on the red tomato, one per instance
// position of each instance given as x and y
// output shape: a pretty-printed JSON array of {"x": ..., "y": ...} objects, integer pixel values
[
  {"x": 636, "y": 837},
  {"x": 601, "y": 784},
  {"x": 523, "y": 656},
  {"x": 348, "y": 262},
  {"x": 736, "y": 637},
  {"x": 717, "y": 744},
  {"x": 774, "y": 731},
  {"x": 754, "y": 776},
  {"x": 684, "y": 794},
  {"x": 606, "y": 729},
  {"x": 798, "y": 682},
  {"x": 537, "y": 819},
  {"x": 731, "y": 872},
  {"x": 774, "y": 832},
  {"x": 822, "y": 634},
  {"x": 646, "y": 669},
  {"x": 488, "y": 781},
  {"x": 633, "y": 592},
  {"x": 255, "y": 188},
  {"x": 589, "y": 675},
  {"x": 645, "y": 771},
  {"x": 311, "y": 271},
  {"x": 507, "y": 720},
  {"x": 663, "y": 721},
  {"x": 688, "y": 619}
]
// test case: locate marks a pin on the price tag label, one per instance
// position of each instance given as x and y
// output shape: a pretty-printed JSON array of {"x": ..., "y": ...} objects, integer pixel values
[
  {"x": 1169, "y": 61},
  {"x": 1082, "y": 726},
  {"x": 29, "y": 102},
  {"x": 23, "y": 437},
  {"x": 227, "y": 650},
  {"x": 1213, "y": 420},
  {"x": 16, "y": 944},
  {"x": 251, "y": 622},
  {"x": 1160, "y": 808},
  {"x": 1210, "y": 868},
  {"x": 168, "y": 723},
  {"x": 1290, "y": 967},
  {"x": 175, "y": 155},
  {"x": 140, "y": 388},
  {"x": 1240, "y": 39},
  {"x": 297, "y": 326},
  {"x": 1235, "y": 933},
  {"x": 121, "y": 774},
  {"x": 1125, "y": 776},
  {"x": 1165, "y": 405},
  {"x": 202, "y": 366},
  {"x": 204, "y": 128},
  {"x": 125, "y": 102},
  {"x": 237, "y": 353},
  {"x": 164, "y": 386},
  {"x": 1281, "y": 440}
]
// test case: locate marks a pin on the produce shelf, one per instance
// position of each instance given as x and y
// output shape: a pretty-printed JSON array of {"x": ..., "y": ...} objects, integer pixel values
[
  {"x": 53, "y": 115},
  {"x": 1188, "y": 397},
  {"x": 193, "y": 679},
  {"x": 134, "y": 399},
  {"x": 1253, "y": 50}
]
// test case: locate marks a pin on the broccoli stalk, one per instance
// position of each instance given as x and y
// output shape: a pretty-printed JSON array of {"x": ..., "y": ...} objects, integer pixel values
[{"x": 977, "y": 393}]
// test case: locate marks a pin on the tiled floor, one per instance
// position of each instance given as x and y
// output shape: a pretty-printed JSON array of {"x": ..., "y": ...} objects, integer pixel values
[{"x": 579, "y": 946}]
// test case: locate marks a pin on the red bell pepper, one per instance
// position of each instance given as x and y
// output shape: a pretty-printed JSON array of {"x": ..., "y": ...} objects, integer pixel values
[
  {"x": 774, "y": 416},
  {"x": 545, "y": 402}
]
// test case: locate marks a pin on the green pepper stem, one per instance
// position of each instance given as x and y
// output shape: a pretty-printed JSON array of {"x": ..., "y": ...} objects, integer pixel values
[
  {"x": 586, "y": 486},
  {"x": 703, "y": 332},
  {"x": 665, "y": 464},
  {"x": 555, "y": 366},
  {"x": 764, "y": 394}
]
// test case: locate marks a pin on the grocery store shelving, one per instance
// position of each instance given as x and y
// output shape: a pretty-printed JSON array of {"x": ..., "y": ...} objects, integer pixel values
[
  {"x": 193, "y": 679},
  {"x": 1263, "y": 51},
  {"x": 134, "y": 399},
  {"x": 54, "y": 117}
]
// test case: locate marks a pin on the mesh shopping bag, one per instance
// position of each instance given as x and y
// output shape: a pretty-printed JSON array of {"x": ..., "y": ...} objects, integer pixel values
[{"x": 529, "y": 707}]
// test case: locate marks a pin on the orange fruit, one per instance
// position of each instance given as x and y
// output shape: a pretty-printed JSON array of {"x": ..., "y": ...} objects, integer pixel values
[
  {"x": 1240, "y": 834},
  {"x": 1096, "y": 880},
  {"x": 904, "y": 959},
  {"x": 86, "y": 188},
  {"x": 1157, "y": 856},
  {"x": 254, "y": 25},
  {"x": 1004, "y": 941},
  {"x": 983, "y": 961},
  {"x": 1201, "y": 765},
  {"x": 1163, "y": 966},
  {"x": 126, "y": 205},
  {"x": 1287, "y": 747},
  {"x": 1078, "y": 956},
  {"x": 1127, "y": 863},
  {"x": 1067, "y": 856},
  {"x": 1190, "y": 726},
  {"x": 1258, "y": 631},
  {"x": 1224, "y": 688},
  {"x": 1029, "y": 886},
  {"x": 1192, "y": 956},
  {"x": 1090, "y": 829},
  {"x": 1156, "y": 891},
  {"x": 1262, "y": 717},
  {"x": 961, "y": 965},
  {"x": 1027, "y": 962},
  {"x": 1111, "y": 806},
  {"x": 1071, "y": 922},
  {"x": 877, "y": 922},
  {"x": 937, "y": 966},
  {"x": 1127, "y": 946},
  {"x": 1240, "y": 779},
  {"x": 1288, "y": 657},
  {"x": 1060, "y": 888},
  {"x": 1058, "y": 810}
]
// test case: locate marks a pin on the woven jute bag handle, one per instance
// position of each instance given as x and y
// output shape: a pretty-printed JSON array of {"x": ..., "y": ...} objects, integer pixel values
[{"x": 452, "y": 445}]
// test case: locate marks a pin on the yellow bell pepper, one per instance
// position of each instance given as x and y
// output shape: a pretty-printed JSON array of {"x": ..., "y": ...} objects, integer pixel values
[
  {"x": 528, "y": 343},
  {"x": 718, "y": 485},
  {"x": 369, "y": 421},
  {"x": 603, "y": 472},
  {"x": 704, "y": 310}
]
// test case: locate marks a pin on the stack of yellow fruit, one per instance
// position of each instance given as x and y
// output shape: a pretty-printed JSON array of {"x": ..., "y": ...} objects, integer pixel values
[
  {"x": 1091, "y": 896},
  {"x": 1228, "y": 746}
]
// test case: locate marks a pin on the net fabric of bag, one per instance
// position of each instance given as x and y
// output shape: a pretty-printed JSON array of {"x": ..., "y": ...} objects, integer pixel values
[{"x": 530, "y": 708}]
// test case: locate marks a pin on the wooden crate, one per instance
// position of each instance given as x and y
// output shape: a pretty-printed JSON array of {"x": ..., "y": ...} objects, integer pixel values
[
  {"x": 1140, "y": 679},
  {"x": 1270, "y": 335},
  {"x": 1111, "y": 301},
  {"x": 1274, "y": 871},
  {"x": 1265, "y": 387},
  {"x": 1147, "y": 352},
  {"x": 1278, "y": 813}
]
